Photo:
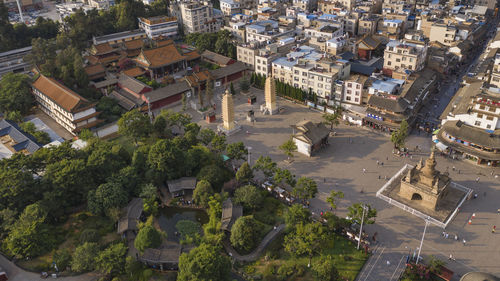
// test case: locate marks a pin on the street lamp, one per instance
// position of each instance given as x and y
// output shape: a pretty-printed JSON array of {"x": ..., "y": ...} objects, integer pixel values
[
  {"x": 422, "y": 241},
  {"x": 248, "y": 149},
  {"x": 361, "y": 228}
]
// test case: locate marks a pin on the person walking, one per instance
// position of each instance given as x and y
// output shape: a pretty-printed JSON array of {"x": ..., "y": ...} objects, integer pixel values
[
  {"x": 494, "y": 229},
  {"x": 463, "y": 241},
  {"x": 364, "y": 170},
  {"x": 456, "y": 237}
]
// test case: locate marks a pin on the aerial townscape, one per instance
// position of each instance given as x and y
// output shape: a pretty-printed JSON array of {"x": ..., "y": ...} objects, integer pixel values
[{"x": 221, "y": 140}]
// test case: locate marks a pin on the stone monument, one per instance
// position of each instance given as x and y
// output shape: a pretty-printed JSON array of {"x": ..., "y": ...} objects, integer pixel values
[
  {"x": 229, "y": 126},
  {"x": 424, "y": 184},
  {"x": 270, "y": 95}
]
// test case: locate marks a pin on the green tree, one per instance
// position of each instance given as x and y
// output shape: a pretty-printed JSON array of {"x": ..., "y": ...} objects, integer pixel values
[
  {"x": 356, "y": 212},
  {"x": 231, "y": 89},
  {"x": 334, "y": 197},
  {"x": 106, "y": 196},
  {"x": 244, "y": 234},
  {"x": 89, "y": 235},
  {"x": 307, "y": 240},
  {"x": 435, "y": 264},
  {"x": 40, "y": 136},
  {"x": 84, "y": 257},
  {"x": 324, "y": 269},
  {"x": 86, "y": 134},
  {"x": 62, "y": 258},
  {"x": 296, "y": 215},
  {"x": 166, "y": 158},
  {"x": 288, "y": 147},
  {"x": 306, "y": 188},
  {"x": 15, "y": 116},
  {"x": 148, "y": 237},
  {"x": 202, "y": 193},
  {"x": 149, "y": 195},
  {"x": 266, "y": 165},
  {"x": 112, "y": 259},
  {"x": 249, "y": 196},
  {"x": 398, "y": 137},
  {"x": 135, "y": 125},
  {"x": 30, "y": 235},
  {"x": 215, "y": 175},
  {"x": 209, "y": 91},
  {"x": 218, "y": 143},
  {"x": 244, "y": 173},
  {"x": 284, "y": 175},
  {"x": 244, "y": 84},
  {"x": 15, "y": 93},
  {"x": 206, "y": 136},
  {"x": 237, "y": 151},
  {"x": 332, "y": 118},
  {"x": 204, "y": 263}
]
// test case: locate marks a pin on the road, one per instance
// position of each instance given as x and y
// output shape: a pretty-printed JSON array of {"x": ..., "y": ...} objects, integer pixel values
[{"x": 17, "y": 274}]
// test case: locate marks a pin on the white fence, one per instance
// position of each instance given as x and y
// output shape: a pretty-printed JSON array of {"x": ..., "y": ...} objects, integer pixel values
[{"x": 417, "y": 213}]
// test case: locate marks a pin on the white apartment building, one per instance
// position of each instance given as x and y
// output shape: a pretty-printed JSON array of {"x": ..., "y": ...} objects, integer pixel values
[
  {"x": 495, "y": 72},
  {"x": 326, "y": 32},
  {"x": 355, "y": 89},
  {"x": 198, "y": 16},
  {"x": 263, "y": 62},
  {"x": 306, "y": 5},
  {"x": 266, "y": 31},
  {"x": 159, "y": 26},
  {"x": 67, "y": 108},
  {"x": 336, "y": 45},
  {"x": 230, "y": 7},
  {"x": 400, "y": 56},
  {"x": 246, "y": 54}
]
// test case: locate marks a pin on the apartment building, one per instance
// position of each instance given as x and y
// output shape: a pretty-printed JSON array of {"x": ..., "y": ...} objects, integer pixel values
[
  {"x": 159, "y": 26},
  {"x": 318, "y": 76},
  {"x": 246, "y": 53},
  {"x": 355, "y": 89},
  {"x": 443, "y": 33},
  {"x": 471, "y": 126},
  {"x": 351, "y": 25},
  {"x": 306, "y": 5},
  {"x": 326, "y": 32},
  {"x": 330, "y": 7},
  {"x": 266, "y": 31},
  {"x": 491, "y": 4},
  {"x": 282, "y": 68},
  {"x": 336, "y": 45},
  {"x": 116, "y": 39},
  {"x": 401, "y": 56},
  {"x": 391, "y": 28},
  {"x": 230, "y": 7},
  {"x": 495, "y": 72},
  {"x": 67, "y": 108},
  {"x": 263, "y": 62},
  {"x": 367, "y": 25},
  {"x": 198, "y": 16}
]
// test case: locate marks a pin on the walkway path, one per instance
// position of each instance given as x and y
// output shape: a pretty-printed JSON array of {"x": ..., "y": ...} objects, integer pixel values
[
  {"x": 256, "y": 253},
  {"x": 17, "y": 274}
]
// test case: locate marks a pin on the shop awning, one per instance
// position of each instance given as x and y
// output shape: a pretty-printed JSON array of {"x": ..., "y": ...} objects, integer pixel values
[{"x": 441, "y": 146}]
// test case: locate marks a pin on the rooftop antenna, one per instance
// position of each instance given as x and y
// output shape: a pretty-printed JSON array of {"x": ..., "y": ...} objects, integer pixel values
[{"x": 20, "y": 11}]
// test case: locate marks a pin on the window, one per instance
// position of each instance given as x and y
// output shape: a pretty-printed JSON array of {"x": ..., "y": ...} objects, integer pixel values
[
  {"x": 398, "y": 60},
  {"x": 489, "y": 118},
  {"x": 492, "y": 109},
  {"x": 348, "y": 98},
  {"x": 349, "y": 85},
  {"x": 357, "y": 93},
  {"x": 296, "y": 72},
  {"x": 348, "y": 92},
  {"x": 482, "y": 107},
  {"x": 358, "y": 86},
  {"x": 304, "y": 73},
  {"x": 479, "y": 116},
  {"x": 320, "y": 78},
  {"x": 478, "y": 123},
  {"x": 389, "y": 63},
  {"x": 356, "y": 99},
  {"x": 320, "y": 85},
  {"x": 488, "y": 126},
  {"x": 409, "y": 67}
]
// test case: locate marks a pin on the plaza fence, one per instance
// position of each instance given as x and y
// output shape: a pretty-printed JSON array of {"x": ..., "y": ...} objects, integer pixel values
[{"x": 417, "y": 213}]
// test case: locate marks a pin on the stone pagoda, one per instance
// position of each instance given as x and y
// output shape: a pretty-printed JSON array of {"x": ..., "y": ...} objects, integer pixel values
[
  {"x": 270, "y": 95},
  {"x": 424, "y": 185},
  {"x": 229, "y": 126}
]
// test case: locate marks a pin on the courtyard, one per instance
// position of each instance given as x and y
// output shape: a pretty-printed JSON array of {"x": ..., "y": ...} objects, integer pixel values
[{"x": 340, "y": 166}]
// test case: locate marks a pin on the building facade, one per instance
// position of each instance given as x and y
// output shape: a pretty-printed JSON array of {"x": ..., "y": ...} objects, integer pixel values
[
  {"x": 198, "y": 17},
  {"x": 159, "y": 26},
  {"x": 67, "y": 108},
  {"x": 400, "y": 56}
]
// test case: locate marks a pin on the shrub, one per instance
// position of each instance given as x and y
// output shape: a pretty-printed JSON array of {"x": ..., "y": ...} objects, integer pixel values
[{"x": 89, "y": 235}]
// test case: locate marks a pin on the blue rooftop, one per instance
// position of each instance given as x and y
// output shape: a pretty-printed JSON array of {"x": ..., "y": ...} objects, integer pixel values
[
  {"x": 23, "y": 140},
  {"x": 385, "y": 86}
]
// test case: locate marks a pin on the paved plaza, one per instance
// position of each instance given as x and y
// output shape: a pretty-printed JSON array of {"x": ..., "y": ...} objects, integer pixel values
[{"x": 340, "y": 166}]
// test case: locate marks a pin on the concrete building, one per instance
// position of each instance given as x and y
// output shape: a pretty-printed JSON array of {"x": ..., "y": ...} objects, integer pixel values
[
  {"x": 25, "y": 4},
  {"x": 306, "y": 5},
  {"x": 495, "y": 72},
  {"x": 246, "y": 53},
  {"x": 401, "y": 56},
  {"x": 329, "y": 7},
  {"x": 159, "y": 26},
  {"x": 336, "y": 45},
  {"x": 120, "y": 37},
  {"x": 197, "y": 16},
  {"x": 367, "y": 25},
  {"x": 443, "y": 33},
  {"x": 266, "y": 31},
  {"x": 491, "y": 4},
  {"x": 355, "y": 89},
  {"x": 230, "y": 7},
  {"x": 67, "y": 108},
  {"x": 13, "y": 61}
]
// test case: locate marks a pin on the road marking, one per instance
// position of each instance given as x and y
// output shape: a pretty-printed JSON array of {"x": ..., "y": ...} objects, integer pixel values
[
  {"x": 373, "y": 265},
  {"x": 397, "y": 267}
]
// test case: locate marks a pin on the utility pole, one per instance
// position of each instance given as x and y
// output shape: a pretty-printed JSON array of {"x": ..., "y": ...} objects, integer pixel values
[
  {"x": 422, "y": 241},
  {"x": 20, "y": 11},
  {"x": 361, "y": 228},
  {"x": 249, "y": 148}
]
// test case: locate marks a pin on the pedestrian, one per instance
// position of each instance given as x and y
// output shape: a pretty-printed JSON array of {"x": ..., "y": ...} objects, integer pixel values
[
  {"x": 463, "y": 241},
  {"x": 364, "y": 170},
  {"x": 493, "y": 229},
  {"x": 378, "y": 162},
  {"x": 459, "y": 171},
  {"x": 451, "y": 257},
  {"x": 387, "y": 158},
  {"x": 444, "y": 233},
  {"x": 456, "y": 237},
  {"x": 382, "y": 163},
  {"x": 388, "y": 263},
  {"x": 477, "y": 179},
  {"x": 378, "y": 176},
  {"x": 447, "y": 235},
  {"x": 453, "y": 168}
]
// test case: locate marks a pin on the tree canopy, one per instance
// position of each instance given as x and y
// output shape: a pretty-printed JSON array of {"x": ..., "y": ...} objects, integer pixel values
[
  {"x": 356, "y": 212},
  {"x": 244, "y": 234},
  {"x": 15, "y": 93},
  {"x": 148, "y": 237},
  {"x": 288, "y": 147},
  {"x": 249, "y": 196},
  {"x": 306, "y": 188},
  {"x": 134, "y": 124},
  {"x": 204, "y": 263},
  {"x": 84, "y": 257},
  {"x": 398, "y": 137},
  {"x": 202, "y": 193}
]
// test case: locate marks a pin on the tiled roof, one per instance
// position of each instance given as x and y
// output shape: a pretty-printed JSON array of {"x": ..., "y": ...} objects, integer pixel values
[
  {"x": 60, "y": 94},
  {"x": 168, "y": 91},
  {"x": 134, "y": 44},
  {"x": 192, "y": 55},
  {"x": 398, "y": 106},
  {"x": 131, "y": 84},
  {"x": 181, "y": 184},
  {"x": 94, "y": 69},
  {"x": 134, "y": 72},
  {"x": 310, "y": 132},
  {"x": 125, "y": 100},
  {"x": 230, "y": 213},
  {"x": 103, "y": 48},
  {"x": 23, "y": 140},
  {"x": 214, "y": 57},
  {"x": 161, "y": 56}
]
